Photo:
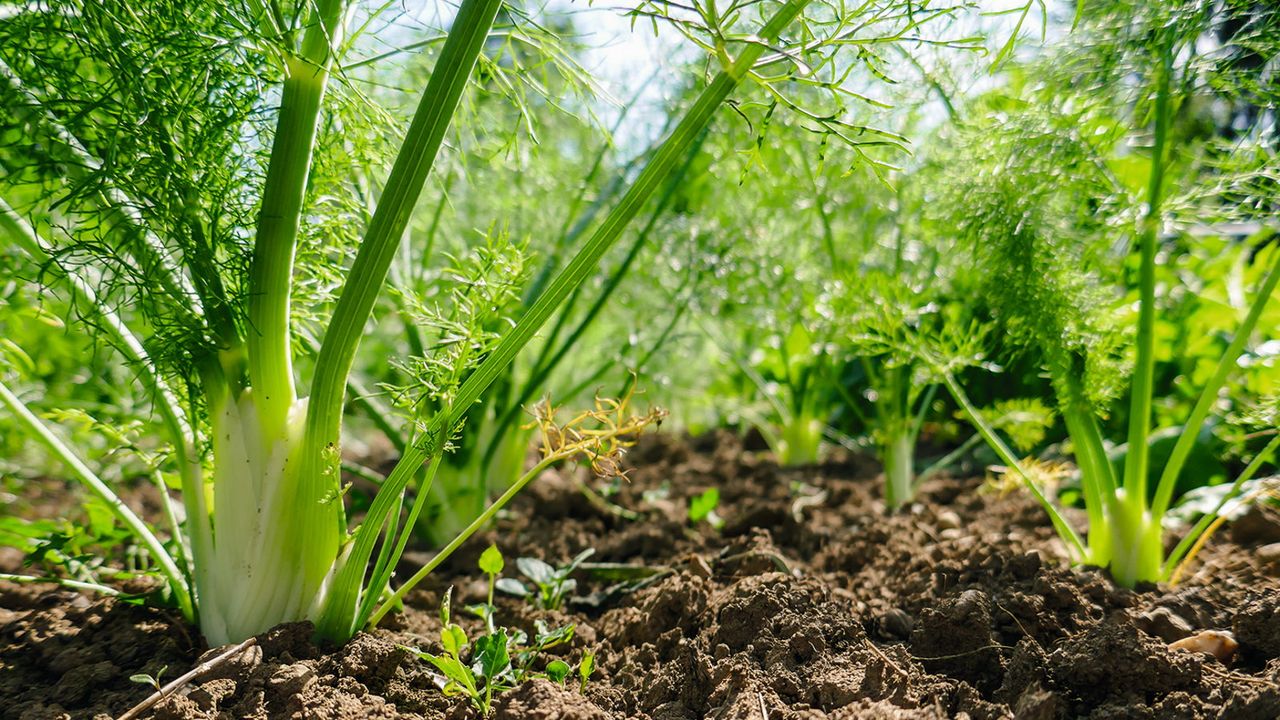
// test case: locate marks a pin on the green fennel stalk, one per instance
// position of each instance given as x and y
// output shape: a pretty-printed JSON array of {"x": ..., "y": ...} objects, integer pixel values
[{"x": 335, "y": 619}]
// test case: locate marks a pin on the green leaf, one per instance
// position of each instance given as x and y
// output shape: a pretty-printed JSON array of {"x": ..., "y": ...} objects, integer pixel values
[
  {"x": 101, "y": 517},
  {"x": 577, "y": 560},
  {"x": 491, "y": 562},
  {"x": 481, "y": 610},
  {"x": 586, "y": 667},
  {"x": 536, "y": 570},
  {"x": 444, "y": 606},
  {"x": 512, "y": 586},
  {"x": 701, "y": 506},
  {"x": 551, "y": 638},
  {"x": 558, "y": 670},
  {"x": 492, "y": 657},
  {"x": 456, "y": 672},
  {"x": 454, "y": 639},
  {"x": 23, "y": 534},
  {"x": 144, "y": 679}
]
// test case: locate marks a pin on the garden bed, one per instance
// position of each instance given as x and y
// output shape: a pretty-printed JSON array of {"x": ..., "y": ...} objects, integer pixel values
[{"x": 810, "y": 602}]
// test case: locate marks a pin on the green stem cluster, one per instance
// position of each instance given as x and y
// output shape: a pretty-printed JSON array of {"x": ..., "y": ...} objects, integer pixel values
[{"x": 335, "y": 620}]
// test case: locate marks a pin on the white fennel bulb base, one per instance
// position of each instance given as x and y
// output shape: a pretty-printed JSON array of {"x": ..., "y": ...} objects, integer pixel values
[{"x": 256, "y": 577}]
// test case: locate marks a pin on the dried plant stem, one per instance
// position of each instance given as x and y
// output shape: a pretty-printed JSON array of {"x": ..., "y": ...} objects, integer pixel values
[{"x": 197, "y": 671}]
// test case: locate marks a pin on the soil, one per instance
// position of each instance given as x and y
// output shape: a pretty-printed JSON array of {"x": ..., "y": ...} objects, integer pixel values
[{"x": 810, "y": 602}]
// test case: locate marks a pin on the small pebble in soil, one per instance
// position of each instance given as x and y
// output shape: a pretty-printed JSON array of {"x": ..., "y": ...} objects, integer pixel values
[
  {"x": 1218, "y": 643},
  {"x": 291, "y": 679},
  {"x": 1164, "y": 624},
  {"x": 896, "y": 623},
  {"x": 948, "y": 520},
  {"x": 1269, "y": 554}
]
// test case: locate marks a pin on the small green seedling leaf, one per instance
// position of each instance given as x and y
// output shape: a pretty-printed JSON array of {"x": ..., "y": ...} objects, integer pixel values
[
  {"x": 461, "y": 681},
  {"x": 444, "y": 606},
  {"x": 491, "y": 562},
  {"x": 480, "y": 610},
  {"x": 550, "y": 638},
  {"x": 586, "y": 667},
  {"x": 703, "y": 507},
  {"x": 536, "y": 570},
  {"x": 558, "y": 670},
  {"x": 454, "y": 639},
  {"x": 151, "y": 680},
  {"x": 492, "y": 658},
  {"x": 577, "y": 560},
  {"x": 499, "y": 659},
  {"x": 512, "y": 586},
  {"x": 550, "y": 584}
]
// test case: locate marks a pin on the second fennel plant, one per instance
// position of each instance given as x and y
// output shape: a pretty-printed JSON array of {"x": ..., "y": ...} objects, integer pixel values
[{"x": 1050, "y": 293}]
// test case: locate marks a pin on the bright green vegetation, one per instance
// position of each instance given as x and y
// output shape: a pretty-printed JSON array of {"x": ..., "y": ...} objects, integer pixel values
[
  {"x": 1039, "y": 228},
  {"x": 1079, "y": 264},
  {"x": 499, "y": 658},
  {"x": 245, "y": 246},
  {"x": 702, "y": 508},
  {"x": 211, "y": 194},
  {"x": 547, "y": 586}
]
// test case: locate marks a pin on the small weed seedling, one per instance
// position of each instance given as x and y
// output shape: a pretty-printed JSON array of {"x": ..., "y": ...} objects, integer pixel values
[
  {"x": 703, "y": 507},
  {"x": 500, "y": 659},
  {"x": 149, "y": 680},
  {"x": 550, "y": 584},
  {"x": 585, "y": 667}
]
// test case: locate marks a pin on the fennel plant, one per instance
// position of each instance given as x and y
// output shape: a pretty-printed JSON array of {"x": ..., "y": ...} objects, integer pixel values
[
  {"x": 1049, "y": 198},
  {"x": 168, "y": 171}
]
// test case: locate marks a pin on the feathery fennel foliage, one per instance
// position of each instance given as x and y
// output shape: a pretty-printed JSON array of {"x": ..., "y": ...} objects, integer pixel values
[{"x": 1054, "y": 198}]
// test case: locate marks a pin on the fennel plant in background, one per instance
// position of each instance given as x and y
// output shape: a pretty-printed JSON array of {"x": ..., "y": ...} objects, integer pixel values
[
  {"x": 837, "y": 293},
  {"x": 788, "y": 374},
  {"x": 766, "y": 313},
  {"x": 772, "y": 322},
  {"x": 192, "y": 273},
  {"x": 898, "y": 299},
  {"x": 1048, "y": 193},
  {"x": 899, "y": 388},
  {"x": 491, "y": 457}
]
